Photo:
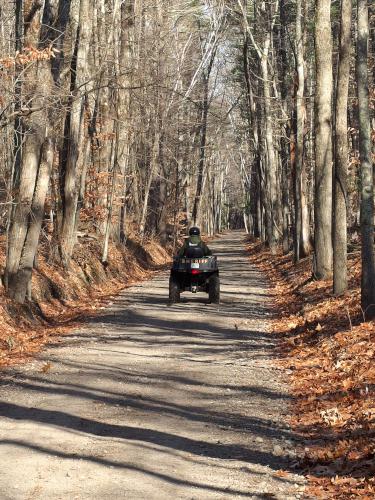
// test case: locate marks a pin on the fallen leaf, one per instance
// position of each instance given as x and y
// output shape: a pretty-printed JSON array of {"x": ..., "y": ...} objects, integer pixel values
[{"x": 46, "y": 367}]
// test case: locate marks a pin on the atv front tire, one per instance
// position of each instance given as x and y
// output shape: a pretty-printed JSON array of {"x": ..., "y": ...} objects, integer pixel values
[
  {"x": 214, "y": 289},
  {"x": 174, "y": 290}
]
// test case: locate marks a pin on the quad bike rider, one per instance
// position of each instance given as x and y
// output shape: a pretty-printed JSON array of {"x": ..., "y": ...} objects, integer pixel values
[
  {"x": 193, "y": 245},
  {"x": 194, "y": 269}
]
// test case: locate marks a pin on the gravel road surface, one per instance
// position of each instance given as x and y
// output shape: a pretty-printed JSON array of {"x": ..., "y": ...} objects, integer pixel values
[{"x": 150, "y": 401}]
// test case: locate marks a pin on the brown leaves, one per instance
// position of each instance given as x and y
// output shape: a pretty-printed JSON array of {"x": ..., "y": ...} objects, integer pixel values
[
  {"x": 23, "y": 332},
  {"x": 46, "y": 367},
  {"x": 331, "y": 357},
  {"x": 330, "y": 416},
  {"x": 27, "y": 56},
  {"x": 281, "y": 473}
]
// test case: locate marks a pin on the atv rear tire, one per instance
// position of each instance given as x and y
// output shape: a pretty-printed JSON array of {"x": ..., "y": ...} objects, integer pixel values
[
  {"x": 174, "y": 290},
  {"x": 214, "y": 289}
]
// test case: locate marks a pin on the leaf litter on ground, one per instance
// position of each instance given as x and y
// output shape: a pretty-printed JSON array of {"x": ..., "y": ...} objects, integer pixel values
[
  {"x": 328, "y": 350},
  {"x": 83, "y": 292}
]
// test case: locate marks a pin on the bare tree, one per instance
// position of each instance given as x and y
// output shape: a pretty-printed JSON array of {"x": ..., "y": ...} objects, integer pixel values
[
  {"x": 268, "y": 14},
  {"x": 74, "y": 154},
  {"x": 323, "y": 141},
  {"x": 31, "y": 183},
  {"x": 367, "y": 188},
  {"x": 340, "y": 279}
]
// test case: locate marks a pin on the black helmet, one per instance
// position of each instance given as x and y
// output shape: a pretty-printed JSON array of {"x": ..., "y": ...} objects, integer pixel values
[{"x": 194, "y": 231}]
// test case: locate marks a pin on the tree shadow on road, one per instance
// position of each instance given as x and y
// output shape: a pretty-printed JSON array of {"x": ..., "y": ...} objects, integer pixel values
[
  {"x": 107, "y": 463},
  {"x": 141, "y": 328}
]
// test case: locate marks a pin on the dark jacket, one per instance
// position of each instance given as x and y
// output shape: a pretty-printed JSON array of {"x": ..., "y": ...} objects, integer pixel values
[{"x": 191, "y": 243}]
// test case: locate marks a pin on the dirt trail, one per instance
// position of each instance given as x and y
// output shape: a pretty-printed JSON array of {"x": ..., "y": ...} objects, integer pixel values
[{"x": 150, "y": 401}]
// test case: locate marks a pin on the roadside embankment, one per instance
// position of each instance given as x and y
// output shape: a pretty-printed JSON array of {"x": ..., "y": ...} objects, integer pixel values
[
  {"x": 328, "y": 351},
  {"x": 60, "y": 298}
]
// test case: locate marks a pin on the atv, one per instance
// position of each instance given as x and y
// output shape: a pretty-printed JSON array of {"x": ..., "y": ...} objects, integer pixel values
[{"x": 194, "y": 274}]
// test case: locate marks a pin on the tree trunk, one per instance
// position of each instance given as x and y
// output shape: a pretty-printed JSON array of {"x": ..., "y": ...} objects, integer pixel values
[
  {"x": 271, "y": 169},
  {"x": 202, "y": 153},
  {"x": 36, "y": 160},
  {"x": 123, "y": 112},
  {"x": 367, "y": 188},
  {"x": 284, "y": 143},
  {"x": 15, "y": 274},
  {"x": 305, "y": 240},
  {"x": 203, "y": 136},
  {"x": 110, "y": 201},
  {"x": 17, "y": 133},
  {"x": 302, "y": 222},
  {"x": 254, "y": 187},
  {"x": 75, "y": 134},
  {"x": 323, "y": 143},
  {"x": 19, "y": 283},
  {"x": 151, "y": 174},
  {"x": 340, "y": 279},
  {"x": 300, "y": 123}
]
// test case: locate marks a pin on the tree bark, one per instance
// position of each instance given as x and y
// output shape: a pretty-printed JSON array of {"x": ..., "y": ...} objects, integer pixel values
[
  {"x": 110, "y": 201},
  {"x": 340, "y": 279},
  {"x": 203, "y": 136},
  {"x": 323, "y": 143},
  {"x": 36, "y": 160},
  {"x": 75, "y": 134},
  {"x": 19, "y": 282},
  {"x": 302, "y": 245},
  {"x": 253, "y": 187},
  {"x": 284, "y": 143},
  {"x": 151, "y": 174},
  {"x": 300, "y": 123},
  {"x": 124, "y": 108},
  {"x": 271, "y": 198},
  {"x": 271, "y": 169},
  {"x": 367, "y": 180}
]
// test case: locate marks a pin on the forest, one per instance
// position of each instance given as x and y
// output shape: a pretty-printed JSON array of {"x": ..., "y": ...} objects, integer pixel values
[
  {"x": 142, "y": 116},
  {"x": 125, "y": 122}
]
